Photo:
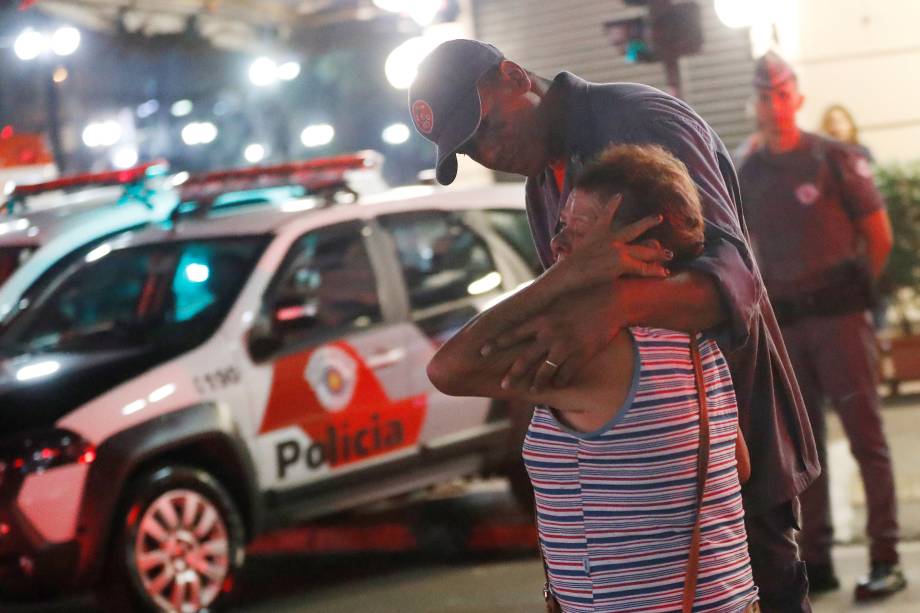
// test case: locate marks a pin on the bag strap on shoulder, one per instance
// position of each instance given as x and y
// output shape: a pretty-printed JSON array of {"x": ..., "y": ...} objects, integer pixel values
[{"x": 693, "y": 563}]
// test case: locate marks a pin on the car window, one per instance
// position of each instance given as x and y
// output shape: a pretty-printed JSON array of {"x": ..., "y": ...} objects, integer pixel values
[
  {"x": 513, "y": 227},
  {"x": 326, "y": 284},
  {"x": 442, "y": 259},
  {"x": 162, "y": 294}
]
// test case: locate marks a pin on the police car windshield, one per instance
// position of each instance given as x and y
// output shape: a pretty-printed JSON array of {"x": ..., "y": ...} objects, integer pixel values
[{"x": 169, "y": 294}]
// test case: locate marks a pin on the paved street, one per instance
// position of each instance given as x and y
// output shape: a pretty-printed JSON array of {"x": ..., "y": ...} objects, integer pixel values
[{"x": 280, "y": 579}]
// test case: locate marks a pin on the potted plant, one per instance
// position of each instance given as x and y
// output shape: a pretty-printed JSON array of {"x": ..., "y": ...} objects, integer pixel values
[{"x": 900, "y": 185}]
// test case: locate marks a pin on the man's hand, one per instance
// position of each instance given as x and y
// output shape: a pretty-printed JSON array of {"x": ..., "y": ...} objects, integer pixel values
[{"x": 566, "y": 334}]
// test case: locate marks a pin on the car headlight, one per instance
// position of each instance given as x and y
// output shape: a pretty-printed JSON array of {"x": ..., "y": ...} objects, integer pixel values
[{"x": 36, "y": 452}]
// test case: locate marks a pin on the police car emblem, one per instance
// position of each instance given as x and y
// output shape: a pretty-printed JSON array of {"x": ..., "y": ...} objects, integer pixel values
[
  {"x": 423, "y": 116},
  {"x": 331, "y": 374},
  {"x": 807, "y": 193}
]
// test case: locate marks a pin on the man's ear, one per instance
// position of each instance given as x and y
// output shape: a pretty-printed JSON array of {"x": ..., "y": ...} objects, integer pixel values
[{"x": 514, "y": 76}]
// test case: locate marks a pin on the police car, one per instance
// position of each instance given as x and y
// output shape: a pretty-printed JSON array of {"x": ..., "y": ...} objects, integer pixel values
[{"x": 175, "y": 391}]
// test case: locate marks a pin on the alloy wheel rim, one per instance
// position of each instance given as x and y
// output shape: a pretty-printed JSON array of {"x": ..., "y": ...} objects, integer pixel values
[{"x": 182, "y": 551}]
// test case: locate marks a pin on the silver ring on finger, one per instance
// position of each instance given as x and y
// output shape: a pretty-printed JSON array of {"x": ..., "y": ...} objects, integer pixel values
[{"x": 550, "y": 364}]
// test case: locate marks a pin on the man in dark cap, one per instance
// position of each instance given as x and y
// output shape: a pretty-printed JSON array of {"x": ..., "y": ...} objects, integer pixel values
[
  {"x": 468, "y": 98},
  {"x": 821, "y": 236}
]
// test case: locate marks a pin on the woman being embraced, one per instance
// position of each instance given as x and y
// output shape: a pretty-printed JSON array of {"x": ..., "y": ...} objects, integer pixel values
[{"x": 613, "y": 456}]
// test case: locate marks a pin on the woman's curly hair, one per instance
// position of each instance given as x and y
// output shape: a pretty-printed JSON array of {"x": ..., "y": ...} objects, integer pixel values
[{"x": 652, "y": 182}]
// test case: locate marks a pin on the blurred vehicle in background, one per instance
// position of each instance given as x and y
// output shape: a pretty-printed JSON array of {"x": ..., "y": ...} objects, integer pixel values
[
  {"x": 55, "y": 220},
  {"x": 175, "y": 391},
  {"x": 47, "y": 222},
  {"x": 24, "y": 158}
]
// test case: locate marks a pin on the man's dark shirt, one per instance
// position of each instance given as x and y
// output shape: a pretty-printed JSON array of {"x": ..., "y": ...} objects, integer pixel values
[
  {"x": 802, "y": 207},
  {"x": 771, "y": 412}
]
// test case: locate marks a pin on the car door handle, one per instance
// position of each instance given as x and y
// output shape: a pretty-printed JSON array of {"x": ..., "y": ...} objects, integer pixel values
[{"x": 384, "y": 359}]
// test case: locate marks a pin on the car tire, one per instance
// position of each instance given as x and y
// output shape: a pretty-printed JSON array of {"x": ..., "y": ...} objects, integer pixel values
[{"x": 179, "y": 540}]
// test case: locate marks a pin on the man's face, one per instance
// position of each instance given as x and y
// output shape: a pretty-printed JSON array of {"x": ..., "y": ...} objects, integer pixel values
[
  {"x": 508, "y": 138},
  {"x": 576, "y": 218},
  {"x": 777, "y": 107}
]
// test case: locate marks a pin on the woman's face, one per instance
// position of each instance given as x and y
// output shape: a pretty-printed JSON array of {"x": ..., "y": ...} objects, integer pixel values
[
  {"x": 839, "y": 126},
  {"x": 578, "y": 214}
]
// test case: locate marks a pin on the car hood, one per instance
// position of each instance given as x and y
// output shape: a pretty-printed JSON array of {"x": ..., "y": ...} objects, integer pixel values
[{"x": 36, "y": 390}]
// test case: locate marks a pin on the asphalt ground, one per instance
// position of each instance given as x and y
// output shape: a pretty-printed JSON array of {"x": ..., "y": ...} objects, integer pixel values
[{"x": 473, "y": 550}]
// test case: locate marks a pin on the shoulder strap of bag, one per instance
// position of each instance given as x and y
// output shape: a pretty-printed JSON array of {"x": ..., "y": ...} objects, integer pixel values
[{"x": 693, "y": 563}]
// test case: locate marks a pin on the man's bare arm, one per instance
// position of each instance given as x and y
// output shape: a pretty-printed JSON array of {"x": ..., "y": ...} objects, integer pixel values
[
  {"x": 569, "y": 334},
  {"x": 875, "y": 230}
]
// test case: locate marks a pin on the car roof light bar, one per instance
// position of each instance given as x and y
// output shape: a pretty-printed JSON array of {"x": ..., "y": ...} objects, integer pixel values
[
  {"x": 127, "y": 177},
  {"x": 315, "y": 175}
]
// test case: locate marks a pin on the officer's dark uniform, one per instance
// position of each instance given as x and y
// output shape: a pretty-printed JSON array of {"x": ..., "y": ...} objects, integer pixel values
[{"x": 802, "y": 207}]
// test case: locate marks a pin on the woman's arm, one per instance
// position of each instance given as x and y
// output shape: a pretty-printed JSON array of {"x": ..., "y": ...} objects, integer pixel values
[{"x": 460, "y": 369}]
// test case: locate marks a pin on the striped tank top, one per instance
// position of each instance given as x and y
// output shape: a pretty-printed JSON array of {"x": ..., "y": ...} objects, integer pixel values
[{"x": 616, "y": 507}]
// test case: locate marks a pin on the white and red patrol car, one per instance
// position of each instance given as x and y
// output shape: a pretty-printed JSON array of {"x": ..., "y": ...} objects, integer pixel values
[{"x": 175, "y": 391}]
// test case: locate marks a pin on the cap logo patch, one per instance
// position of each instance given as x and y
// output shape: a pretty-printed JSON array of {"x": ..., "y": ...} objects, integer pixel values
[{"x": 423, "y": 116}]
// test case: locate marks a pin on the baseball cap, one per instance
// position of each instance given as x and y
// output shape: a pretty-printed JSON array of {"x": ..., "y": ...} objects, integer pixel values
[
  {"x": 443, "y": 99},
  {"x": 771, "y": 70}
]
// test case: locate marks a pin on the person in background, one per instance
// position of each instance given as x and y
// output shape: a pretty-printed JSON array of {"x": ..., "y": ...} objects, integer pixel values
[
  {"x": 609, "y": 454},
  {"x": 822, "y": 236},
  {"x": 469, "y": 99},
  {"x": 837, "y": 122}
]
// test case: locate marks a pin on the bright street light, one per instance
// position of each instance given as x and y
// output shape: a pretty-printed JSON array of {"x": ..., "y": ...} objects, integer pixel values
[
  {"x": 402, "y": 63},
  {"x": 199, "y": 133},
  {"x": 254, "y": 153},
  {"x": 317, "y": 135},
  {"x": 263, "y": 72},
  {"x": 740, "y": 13},
  {"x": 181, "y": 108},
  {"x": 30, "y": 44},
  {"x": 396, "y": 134},
  {"x": 102, "y": 133},
  {"x": 65, "y": 40},
  {"x": 124, "y": 157},
  {"x": 288, "y": 71},
  {"x": 146, "y": 109},
  {"x": 422, "y": 12}
]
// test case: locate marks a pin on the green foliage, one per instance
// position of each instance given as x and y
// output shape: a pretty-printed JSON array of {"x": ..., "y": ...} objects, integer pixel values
[{"x": 900, "y": 185}]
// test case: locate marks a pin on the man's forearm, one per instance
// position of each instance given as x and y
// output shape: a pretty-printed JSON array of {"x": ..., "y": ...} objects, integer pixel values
[{"x": 688, "y": 301}]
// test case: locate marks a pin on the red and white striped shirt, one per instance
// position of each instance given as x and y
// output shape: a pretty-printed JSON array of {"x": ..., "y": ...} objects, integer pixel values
[{"x": 616, "y": 507}]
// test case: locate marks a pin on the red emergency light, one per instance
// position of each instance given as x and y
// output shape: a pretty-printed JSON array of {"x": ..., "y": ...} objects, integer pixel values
[
  {"x": 315, "y": 175},
  {"x": 114, "y": 177}
]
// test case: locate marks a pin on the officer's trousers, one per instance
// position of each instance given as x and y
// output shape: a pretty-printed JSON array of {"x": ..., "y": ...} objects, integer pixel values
[{"x": 835, "y": 358}]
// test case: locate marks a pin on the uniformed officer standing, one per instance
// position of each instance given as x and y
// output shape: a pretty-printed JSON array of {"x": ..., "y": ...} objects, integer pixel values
[{"x": 822, "y": 236}]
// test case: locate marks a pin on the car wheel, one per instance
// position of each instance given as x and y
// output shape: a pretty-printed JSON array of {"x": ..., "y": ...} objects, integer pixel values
[{"x": 179, "y": 544}]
